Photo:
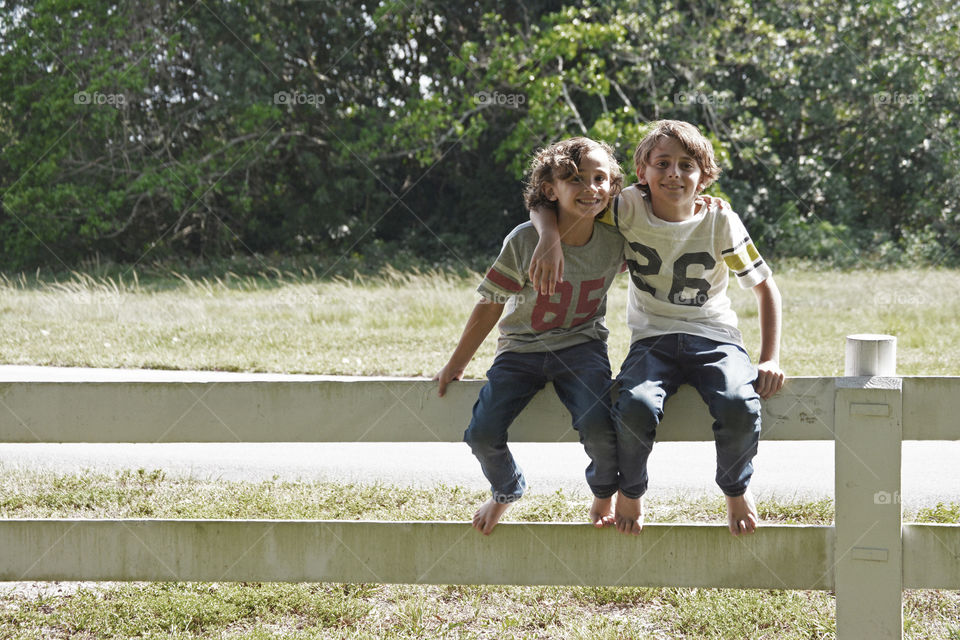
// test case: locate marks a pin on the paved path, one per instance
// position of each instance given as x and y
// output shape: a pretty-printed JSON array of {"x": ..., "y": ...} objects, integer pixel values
[{"x": 785, "y": 470}]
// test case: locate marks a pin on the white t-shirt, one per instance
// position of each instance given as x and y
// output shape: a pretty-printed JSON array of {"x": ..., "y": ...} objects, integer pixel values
[{"x": 679, "y": 270}]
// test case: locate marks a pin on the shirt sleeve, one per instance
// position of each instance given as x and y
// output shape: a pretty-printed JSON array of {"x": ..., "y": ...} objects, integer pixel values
[
  {"x": 507, "y": 275},
  {"x": 607, "y": 217},
  {"x": 627, "y": 209},
  {"x": 740, "y": 254}
]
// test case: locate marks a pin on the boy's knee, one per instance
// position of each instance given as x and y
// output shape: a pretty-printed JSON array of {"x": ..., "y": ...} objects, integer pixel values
[
  {"x": 737, "y": 412},
  {"x": 482, "y": 438},
  {"x": 596, "y": 419},
  {"x": 637, "y": 411}
]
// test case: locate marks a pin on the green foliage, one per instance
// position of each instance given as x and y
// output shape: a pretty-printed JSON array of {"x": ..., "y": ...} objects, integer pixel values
[
  {"x": 352, "y": 131},
  {"x": 941, "y": 513}
]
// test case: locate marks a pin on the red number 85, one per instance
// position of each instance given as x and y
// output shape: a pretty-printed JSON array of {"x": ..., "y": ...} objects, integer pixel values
[{"x": 557, "y": 311}]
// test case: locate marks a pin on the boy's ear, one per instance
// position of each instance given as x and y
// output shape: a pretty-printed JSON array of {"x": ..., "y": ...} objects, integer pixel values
[
  {"x": 549, "y": 191},
  {"x": 640, "y": 178}
]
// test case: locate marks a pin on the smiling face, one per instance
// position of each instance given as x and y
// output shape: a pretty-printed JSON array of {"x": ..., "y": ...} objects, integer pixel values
[
  {"x": 586, "y": 193},
  {"x": 672, "y": 174}
]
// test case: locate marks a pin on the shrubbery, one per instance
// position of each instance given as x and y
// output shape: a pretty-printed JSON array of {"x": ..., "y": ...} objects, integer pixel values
[{"x": 398, "y": 134}]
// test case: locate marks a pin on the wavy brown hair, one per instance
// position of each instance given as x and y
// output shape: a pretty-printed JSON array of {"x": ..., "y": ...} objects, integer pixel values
[
  {"x": 560, "y": 161},
  {"x": 692, "y": 141}
]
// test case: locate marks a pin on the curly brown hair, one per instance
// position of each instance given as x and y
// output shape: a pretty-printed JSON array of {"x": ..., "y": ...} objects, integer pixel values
[
  {"x": 560, "y": 161},
  {"x": 692, "y": 141}
]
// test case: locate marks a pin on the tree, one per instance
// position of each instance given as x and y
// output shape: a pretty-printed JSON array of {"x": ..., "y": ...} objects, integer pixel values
[{"x": 400, "y": 130}]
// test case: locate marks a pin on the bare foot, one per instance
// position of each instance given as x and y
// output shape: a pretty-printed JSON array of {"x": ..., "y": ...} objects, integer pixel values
[
  {"x": 601, "y": 512},
  {"x": 742, "y": 514},
  {"x": 488, "y": 515},
  {"x": 629, "y": 514}
]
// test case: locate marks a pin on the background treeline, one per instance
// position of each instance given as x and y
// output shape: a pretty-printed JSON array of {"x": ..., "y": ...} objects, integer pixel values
[{"x": 397, "y": 132}]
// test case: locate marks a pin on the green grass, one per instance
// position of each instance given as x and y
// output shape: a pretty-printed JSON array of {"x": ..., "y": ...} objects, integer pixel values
[
  {"x": 272, "y": 610},
  {"x": 408, "y": 324},
  {"x": 150, "y": 494}
]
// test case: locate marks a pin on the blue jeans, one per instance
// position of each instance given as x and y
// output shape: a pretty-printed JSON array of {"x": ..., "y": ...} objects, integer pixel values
[
  {"x": 722, "y": 374},
  {"x": 581, "y": 377}
]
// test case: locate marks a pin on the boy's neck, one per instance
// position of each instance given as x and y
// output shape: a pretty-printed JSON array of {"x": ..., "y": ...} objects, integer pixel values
[
  {"x": 674, "y": 212},
  {"x": 575, "y": 231}
]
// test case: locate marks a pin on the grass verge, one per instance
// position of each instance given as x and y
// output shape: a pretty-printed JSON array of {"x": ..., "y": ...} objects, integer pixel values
[
  {"x": 407, "y": 324},
  {"x": 273, "y": 610}
]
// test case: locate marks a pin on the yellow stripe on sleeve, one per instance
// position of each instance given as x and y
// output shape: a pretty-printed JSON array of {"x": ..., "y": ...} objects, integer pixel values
[
  {"x": 607, "y": 217},
  {"x": 735, "y": 262}
]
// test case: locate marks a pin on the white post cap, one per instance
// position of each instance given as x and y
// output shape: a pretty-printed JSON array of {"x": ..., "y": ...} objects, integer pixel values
[{"x": 871, "y": 354}]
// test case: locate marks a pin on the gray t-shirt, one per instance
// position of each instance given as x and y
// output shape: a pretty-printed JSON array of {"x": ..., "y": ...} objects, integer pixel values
[{"x": 571, "y": 316}]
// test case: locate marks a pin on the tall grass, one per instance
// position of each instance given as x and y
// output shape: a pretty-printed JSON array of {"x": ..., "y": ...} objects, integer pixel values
[{"x": 407, "y": 323}]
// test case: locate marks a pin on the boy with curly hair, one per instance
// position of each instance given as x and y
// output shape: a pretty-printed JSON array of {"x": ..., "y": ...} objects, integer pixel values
[{"x": 559, "y": 338}]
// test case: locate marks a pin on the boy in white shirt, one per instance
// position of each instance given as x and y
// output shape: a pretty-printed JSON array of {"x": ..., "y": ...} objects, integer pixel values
[{"x": 684, "y": 330}]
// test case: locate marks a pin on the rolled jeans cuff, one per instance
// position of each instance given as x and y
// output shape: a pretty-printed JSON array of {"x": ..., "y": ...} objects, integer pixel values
[
  {"x": 603, "y": 494},
  {"x": 735, "y": 493},
  {"x": 627, "y": 494}
]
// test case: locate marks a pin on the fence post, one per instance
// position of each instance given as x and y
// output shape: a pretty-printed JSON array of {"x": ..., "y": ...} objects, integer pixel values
[{"x": 869, "y": 550}]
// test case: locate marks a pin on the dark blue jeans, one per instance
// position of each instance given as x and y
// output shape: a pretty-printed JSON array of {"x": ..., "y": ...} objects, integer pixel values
[
  {"x": 722, "y": 374},
  {"x": 581, "y": 377}
]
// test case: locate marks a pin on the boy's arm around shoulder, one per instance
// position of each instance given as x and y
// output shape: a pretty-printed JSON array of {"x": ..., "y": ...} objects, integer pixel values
[
  {"x": 546, "y": 264},
  {"x": 769, "y": 375},
  {"x": 482, "y": 320}
]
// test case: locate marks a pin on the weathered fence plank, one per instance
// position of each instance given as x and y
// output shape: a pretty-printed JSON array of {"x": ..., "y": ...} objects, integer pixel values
[
  {"x": 931, "y": 556},
  {"x": 337, "y": 410},
  {"x": 781, "y": 557},
  {"x": 931, "y": 408}
]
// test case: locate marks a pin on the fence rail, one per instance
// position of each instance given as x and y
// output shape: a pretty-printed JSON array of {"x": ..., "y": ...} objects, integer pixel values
[
  {"x": 868, "y": 557},
  {"x": 132, "y": 407}
]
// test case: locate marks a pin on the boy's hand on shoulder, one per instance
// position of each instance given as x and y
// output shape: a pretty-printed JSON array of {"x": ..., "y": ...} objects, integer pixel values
[
  {"x": 769, "y": 378},
  {"x": 713, "y": 202},
  {"x": 445, "y": 376},
  {"x": 546, "y": 265}
]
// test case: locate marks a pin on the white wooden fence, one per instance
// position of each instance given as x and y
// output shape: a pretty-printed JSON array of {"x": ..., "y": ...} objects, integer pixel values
[{"x": 867, "y": 558}]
